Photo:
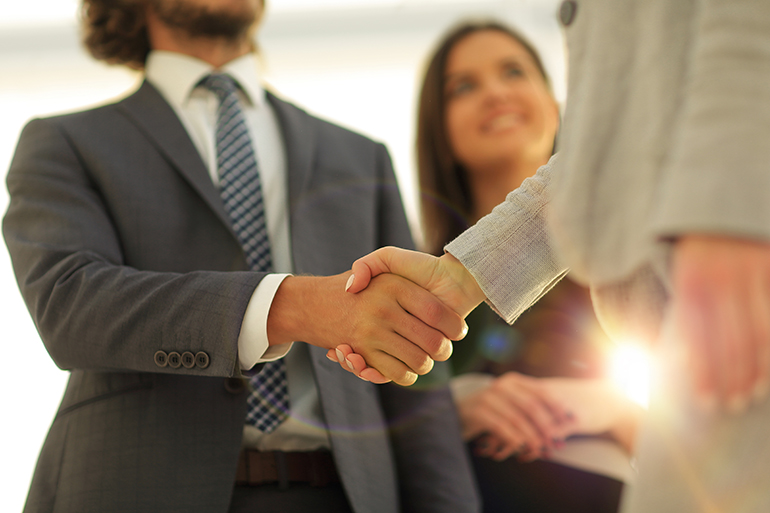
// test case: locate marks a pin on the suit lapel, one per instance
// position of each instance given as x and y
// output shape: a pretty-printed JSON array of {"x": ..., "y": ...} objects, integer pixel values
[
  {"x": 155, "y": 117},
  {"x": 300, "y": 139}
]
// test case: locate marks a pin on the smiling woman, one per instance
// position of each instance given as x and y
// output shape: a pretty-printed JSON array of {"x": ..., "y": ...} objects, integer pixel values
[
  {"x": 500, "y": 113},
  {"x": 487, "y": 121},
  {"x": 485, "y": 109}
]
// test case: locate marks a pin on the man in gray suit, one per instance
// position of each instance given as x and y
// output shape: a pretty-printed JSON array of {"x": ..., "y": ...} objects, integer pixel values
[
  {"x": 659, "y": 199},
  {"x": 126, "y": 229}
]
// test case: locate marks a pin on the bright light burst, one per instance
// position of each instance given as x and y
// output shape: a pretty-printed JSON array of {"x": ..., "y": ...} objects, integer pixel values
[{"x": 631, "y": 371}]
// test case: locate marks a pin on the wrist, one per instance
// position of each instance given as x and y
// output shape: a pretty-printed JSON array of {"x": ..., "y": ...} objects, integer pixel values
[
  {"x": 309, "y": 309},
  {"x": 473, "y": 295},
  {"x": 291, "y": 312}
]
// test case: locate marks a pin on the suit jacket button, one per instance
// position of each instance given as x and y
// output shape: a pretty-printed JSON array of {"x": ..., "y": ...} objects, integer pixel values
[
  {"x": 161, "y": 358},
  {"x": 235, "y": 385},
  {"x": 201, "y": 359},
  {"x": 567, "y": 12},
  {"x": 188, "y": 360},
  {"x": 174, "y": 360}
]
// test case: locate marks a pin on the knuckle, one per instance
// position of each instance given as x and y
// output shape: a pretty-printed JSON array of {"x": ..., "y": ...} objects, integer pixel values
[
  {"x": 380, "y": 311},
  {"x": 433, "y": 313}
]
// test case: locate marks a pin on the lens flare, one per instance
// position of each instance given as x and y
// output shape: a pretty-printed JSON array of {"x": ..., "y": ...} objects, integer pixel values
[{"x": 631, "y": 371}]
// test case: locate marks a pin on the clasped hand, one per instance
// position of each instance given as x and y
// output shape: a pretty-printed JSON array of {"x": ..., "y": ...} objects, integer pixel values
[
  {"x": 720, "y": 310},
  {"x": 395, "y": 325},
  {"x": 445, "y": 277}
]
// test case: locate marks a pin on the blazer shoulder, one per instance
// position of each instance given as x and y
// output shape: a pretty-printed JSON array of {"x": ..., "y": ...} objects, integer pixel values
[{"x": 141, "y": 94}]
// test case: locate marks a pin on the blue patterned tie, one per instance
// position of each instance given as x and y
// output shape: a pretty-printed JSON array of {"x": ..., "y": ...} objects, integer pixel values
[{"x": 268, "y": 403}]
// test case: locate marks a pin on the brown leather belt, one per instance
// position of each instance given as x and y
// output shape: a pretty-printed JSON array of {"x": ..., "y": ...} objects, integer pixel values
[{"x": 315, "y": 468}]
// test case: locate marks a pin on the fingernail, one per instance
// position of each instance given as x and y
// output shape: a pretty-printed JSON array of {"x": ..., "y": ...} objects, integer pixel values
[
  {"x": 340, "y": 356},
  {"x": 350, "y": 365},
  {"x": 465, "y": 329},
  {"x": 331, "y": 359},
  {"x": 760, "y": 390},
  {"x": 737, "y": 404},
  {"x": 350, "y": 282}
]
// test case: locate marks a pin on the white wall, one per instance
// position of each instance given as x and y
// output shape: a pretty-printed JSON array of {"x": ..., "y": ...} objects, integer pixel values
[{"x": 355, "y": 62}]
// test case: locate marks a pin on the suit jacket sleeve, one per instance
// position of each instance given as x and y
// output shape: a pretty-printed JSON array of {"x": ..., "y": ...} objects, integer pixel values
[
  {"x": 509, "y": 251},
  {"x": 433, "y": 468},
  {"x": 718, "y": 180},
  {"x": 95, "y": 305}
]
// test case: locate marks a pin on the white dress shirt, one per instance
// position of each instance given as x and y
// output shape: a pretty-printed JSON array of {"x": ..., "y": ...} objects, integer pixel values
[{"x": 176, "y": 77}]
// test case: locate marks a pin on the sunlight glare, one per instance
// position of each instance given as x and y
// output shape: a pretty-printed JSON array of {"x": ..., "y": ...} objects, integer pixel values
[{"x": 631, "y": 370}]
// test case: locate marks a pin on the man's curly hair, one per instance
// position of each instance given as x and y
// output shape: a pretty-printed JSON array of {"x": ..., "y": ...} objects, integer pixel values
[{"x": 115, "y": 31}]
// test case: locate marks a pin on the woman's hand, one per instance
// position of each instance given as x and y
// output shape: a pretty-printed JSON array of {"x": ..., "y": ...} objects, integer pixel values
[
  {"x": 515, "y": 415},
  {"x": 598, "y": 406},
  {"x": 538, "y": 414},
  {"x": 444, "y": 277}
]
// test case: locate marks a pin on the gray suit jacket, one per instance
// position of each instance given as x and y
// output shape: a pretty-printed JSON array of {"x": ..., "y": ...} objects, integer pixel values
[
  {"x": 665, "y": 133},
  {"x": 121, "y": 248}
]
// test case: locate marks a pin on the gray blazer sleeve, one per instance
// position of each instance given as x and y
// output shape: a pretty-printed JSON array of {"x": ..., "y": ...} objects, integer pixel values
[
  {"x": 94, "y": 309},
  {"x": 509, "y": 251},
  {"x": 718, "y": 180}
]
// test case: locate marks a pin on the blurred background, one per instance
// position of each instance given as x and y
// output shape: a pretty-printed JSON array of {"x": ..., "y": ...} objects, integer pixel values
[{"x": 356, "y": 62}]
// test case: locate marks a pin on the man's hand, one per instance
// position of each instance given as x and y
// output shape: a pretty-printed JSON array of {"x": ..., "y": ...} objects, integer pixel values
[
  {"x": 394, "y": 324},
  {"x": 721, "y": 315}
]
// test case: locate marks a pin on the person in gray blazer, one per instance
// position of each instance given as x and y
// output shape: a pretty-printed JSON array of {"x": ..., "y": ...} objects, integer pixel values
[
  {"x": 659, "y": 199},
  {"x": 133, "y": 268}
]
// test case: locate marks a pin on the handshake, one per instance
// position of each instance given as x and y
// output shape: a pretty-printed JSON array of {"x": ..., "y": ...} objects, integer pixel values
[
  {"x": 438, "y": 319},
  {"x": 398, "y": 312},
  {"x": 393, "y": 316}
]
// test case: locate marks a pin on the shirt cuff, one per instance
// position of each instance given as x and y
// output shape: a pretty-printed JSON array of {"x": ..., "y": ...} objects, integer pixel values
[{"x": 253, "y": 346}]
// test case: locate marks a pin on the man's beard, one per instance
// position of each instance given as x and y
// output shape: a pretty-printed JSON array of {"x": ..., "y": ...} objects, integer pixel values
[{"x": 198, "y": 21}]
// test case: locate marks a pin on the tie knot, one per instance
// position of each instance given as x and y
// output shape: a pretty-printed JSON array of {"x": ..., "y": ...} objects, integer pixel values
[{"x": 220, "y": 84}]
